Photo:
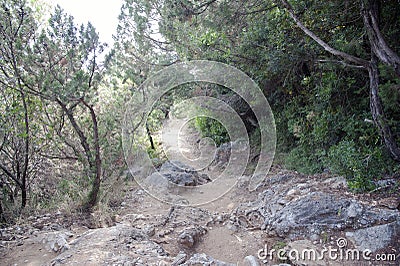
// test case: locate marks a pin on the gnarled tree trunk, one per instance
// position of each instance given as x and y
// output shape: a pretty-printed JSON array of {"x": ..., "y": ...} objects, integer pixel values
[
  {"x": 370, "y": 12},
  {"x": 377, "y": 111},
  {"x": 96, "y": 165},
  {"x": 94, "y": 162}
]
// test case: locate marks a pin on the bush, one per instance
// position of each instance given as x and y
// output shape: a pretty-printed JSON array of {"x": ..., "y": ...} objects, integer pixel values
[
  {"x": 360, "y": 165},
  {"x": 304, "y": 160},
  {"x": 326, "y": 124},
  {"x": 213, "y": 129}
]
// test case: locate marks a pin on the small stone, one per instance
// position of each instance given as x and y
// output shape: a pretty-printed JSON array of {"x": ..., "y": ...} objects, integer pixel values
[
  {"x": 251, "y": 261},
  {"x": 314, "y": 237},
  {"x": 149, "y": 230},
  {"x": 282, "y": 202},
  {"x": 190, "y": 236}
]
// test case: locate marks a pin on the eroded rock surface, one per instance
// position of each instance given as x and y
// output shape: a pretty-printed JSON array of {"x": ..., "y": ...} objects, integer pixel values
[
  {"x": 287, "y": 211},
  {"x": 177, "y": 173}
]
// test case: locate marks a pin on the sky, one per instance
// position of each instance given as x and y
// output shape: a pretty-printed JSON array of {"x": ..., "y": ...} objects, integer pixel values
[{"x": 103, "y": 14}]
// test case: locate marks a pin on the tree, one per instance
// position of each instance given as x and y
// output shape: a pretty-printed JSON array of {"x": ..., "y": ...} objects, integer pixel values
[
  {"x": 321, "y": 97},
  {"x": 68, "y": 75},
  {"x": 16, "y": 151},
  {"x": 56, "y": 67},
  {"x": 379, "y": 50}
]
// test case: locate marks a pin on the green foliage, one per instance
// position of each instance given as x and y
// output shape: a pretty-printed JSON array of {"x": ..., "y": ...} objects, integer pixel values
[
  {"x": 360, "y": 164},
  {"x": 68, "y": 188},
  {"x": 305, "y": 160},
  {"x": 344, "y": 159},
  {"x": 328, "y": 127},
  {"x": 318, "y": 103},
  {"x": 212, "y": 128}
]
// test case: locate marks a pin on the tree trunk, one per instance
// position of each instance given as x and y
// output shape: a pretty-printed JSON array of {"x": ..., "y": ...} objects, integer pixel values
[
  {"x": 2, "y": 218},
  {"x": 150, "y": 138},
  {"x": 370, "y": 10},
  {"x": 96, "y": 168},
  {"x": 23, "y": 197},
  {"x": 94, "y": 163},
  {"x": 377, "y": 111},
  {"x": 26, "y": 152}
]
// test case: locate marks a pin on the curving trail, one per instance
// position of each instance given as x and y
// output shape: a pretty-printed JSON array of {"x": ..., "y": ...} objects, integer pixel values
[{"x": 287, "y": 210}]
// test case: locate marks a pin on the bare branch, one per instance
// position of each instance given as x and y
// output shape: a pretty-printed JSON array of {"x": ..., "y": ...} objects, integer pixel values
[
  {"x": 327, "y": 47},
  {"x": 204, "y": 6},
  {"x": 10, "y": 175},
  {"x": 379, "y": 46},
  {"x": 339, "y": 62},
  {"x": 56, "y": 157}
]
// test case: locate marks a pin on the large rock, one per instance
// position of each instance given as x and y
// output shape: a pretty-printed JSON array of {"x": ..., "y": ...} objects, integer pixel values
[
  {"x": 223, "y": 153},
  {"x": 190, "y": 236},
  {"x": 376, "y": 237},
  {"x": 56, "y": 241},
  {"x": 293, "y": 207},
  {"x": 177, "y": 173},
  {"x": 319, "y": 210},
  {"x": 117, "y": 245},
  {"x": 182, "y": 174}
]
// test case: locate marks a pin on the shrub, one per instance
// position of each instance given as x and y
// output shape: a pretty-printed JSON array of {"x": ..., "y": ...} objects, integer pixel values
[
  {"x": 360, "y": 165},
  {"x": 212, "y": 128}
]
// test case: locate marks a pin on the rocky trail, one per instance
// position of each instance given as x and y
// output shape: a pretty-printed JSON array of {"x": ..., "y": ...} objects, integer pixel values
[{"x": 289, "y": 215}]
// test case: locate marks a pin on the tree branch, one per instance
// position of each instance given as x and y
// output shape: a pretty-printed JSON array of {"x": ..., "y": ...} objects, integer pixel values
[
  {"x": 9, "y": 174},
  {"x": 204, "y": 6},
  {"x": 339, "y": 62},
  {"x": 353, "y": 59},
  {"x": 379, "y": 46},
  {"x": 81, "y": 135},
  {"x": 56, "y": 157}
]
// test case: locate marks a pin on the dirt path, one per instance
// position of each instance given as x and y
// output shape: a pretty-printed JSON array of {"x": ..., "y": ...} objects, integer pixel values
[
  {"x": 140, "y": 210},
  {"x": 146, "y": 231}
]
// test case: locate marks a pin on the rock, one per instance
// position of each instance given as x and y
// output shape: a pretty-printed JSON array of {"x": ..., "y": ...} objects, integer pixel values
[
  {"x": 336, "y": 182},
  {"x": 177, "y": 173},
  {"x": 223, "y": 154},
  {"x": 203, "y": 259},
  {"x": 179, "y": 259},
  {"x": 56, "y": 241},
  {"x": 297, "y": 207},
  {"x": 354, "y": 210},
  {"x": 138, "y": 235},
  {"x": 116, "y": 245},
  {"x": 321, "y": 210},
  {"x": 375, "y": 237},
  {"x": 385, "y": 182},
  {"x": 310, "y": 211},
  {"x": 149, "y": 230},
  {"x": 157, "y": 181},
  {"x": 390, "y": 203},
  {"x": 190, "y": 236},
  {"x": 251, "y": 261}
]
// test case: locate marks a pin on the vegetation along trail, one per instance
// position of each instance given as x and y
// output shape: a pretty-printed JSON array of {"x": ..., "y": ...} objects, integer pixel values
[{"x": 207, "y": 132}]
